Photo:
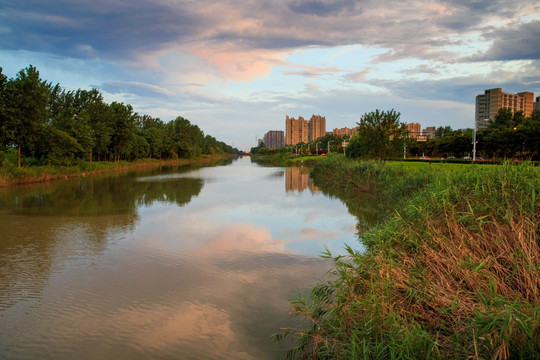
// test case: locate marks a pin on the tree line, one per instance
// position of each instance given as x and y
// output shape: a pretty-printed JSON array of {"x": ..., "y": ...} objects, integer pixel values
[
  {"x": 508, "y": 135},
  {"x": 52, "y": 125},
  {"x": 380, "y": 134}
]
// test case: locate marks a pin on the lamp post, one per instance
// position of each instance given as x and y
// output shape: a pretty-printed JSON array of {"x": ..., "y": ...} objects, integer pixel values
[
  {"x": 404, "y": 149},
  {"x": 329, "y": 146},
  {"x": 474, "y": 144}
]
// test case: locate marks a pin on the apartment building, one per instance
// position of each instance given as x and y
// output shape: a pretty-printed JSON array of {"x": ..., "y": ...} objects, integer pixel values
[
  {"x": 316, "y": 127},
  {"x": 537, "y": 104},
  {"x": 489, "y": 103},
  {"x": 429, "y": 132},
  {"x": 274, "y": 139},
  {"x": 301, "y": 130},
  {"x": 415, "y": 132},
  {"x": 296, "y": 130},
  {"x": 345, "y": 131}
]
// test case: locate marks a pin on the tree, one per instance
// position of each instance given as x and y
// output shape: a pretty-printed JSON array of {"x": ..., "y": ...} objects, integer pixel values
[
  {"x": 61, "y": 148},
  {"x": 26, "y": 109},
  {"x": 153, "y": 131},
  {"x": 380, "y": 135},
  {"x": 443, "y": 131},
  {"x": 503, "y": 119},
  {"x": 184, "y": 140},
  {"x": 531, "y": 135},
  {"x": 3, "y": 115},
  {"x": 123, "y": 121}
]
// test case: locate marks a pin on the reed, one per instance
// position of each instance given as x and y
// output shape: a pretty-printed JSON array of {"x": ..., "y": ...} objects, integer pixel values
[{"x": 453, "y": 273}]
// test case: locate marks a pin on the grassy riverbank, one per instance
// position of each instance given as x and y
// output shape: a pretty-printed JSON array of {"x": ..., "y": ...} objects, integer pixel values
[
  {"x": 286, "y": 159},
  {"x": 10, "y": 174},
  {"x": 452, "y": 273}
]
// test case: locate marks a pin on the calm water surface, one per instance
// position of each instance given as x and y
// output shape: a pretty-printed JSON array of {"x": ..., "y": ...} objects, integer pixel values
[{"x": 172, "y": 263}]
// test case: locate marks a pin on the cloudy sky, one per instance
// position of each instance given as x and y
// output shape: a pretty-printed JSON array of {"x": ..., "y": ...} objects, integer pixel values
[{"x": 236, "y": 68}]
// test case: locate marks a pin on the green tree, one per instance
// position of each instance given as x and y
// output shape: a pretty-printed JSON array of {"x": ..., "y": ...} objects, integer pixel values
[
  {"x": 3, "y": 115},
  {"x": 61, "y": 148},
  {"x": 123, "y": 121},
  {"x": 503, "y": 119},
  {"x": 26, "y": 109},
  {"x": 153, "y": 130},
  {"x": 443, "y": 131},
  {"x": 184, "y": 140},
  {"x": 380, "y": 135},
  {"x": 531, "y": 136}
]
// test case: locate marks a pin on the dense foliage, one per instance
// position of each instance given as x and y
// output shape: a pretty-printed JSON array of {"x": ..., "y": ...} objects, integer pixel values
[
  {"x": 56, "y": 126},
  {"x": 380, "y": 135},
  {"x": 454, "y": 273}
]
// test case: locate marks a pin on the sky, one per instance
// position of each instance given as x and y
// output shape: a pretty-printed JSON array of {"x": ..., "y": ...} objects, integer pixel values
[{"x": 237, "y": 68}]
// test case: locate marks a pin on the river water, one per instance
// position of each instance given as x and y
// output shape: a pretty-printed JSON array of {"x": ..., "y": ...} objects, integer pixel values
[{"x": 169, "y": 262}]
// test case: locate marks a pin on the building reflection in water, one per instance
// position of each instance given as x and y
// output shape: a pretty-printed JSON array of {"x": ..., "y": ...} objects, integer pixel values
[{"x": 297, "y": 179}]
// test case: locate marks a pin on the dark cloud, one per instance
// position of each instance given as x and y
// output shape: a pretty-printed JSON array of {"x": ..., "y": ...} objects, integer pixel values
[
  {"x": 521, "y": 43},
  {"x": 114, "y": 29},
  {"x": 321, "y": 8},
  {"x": 467, "y": 15},
  {"x": 458, "y": 89},
  {"x": 90, "y": 28}
]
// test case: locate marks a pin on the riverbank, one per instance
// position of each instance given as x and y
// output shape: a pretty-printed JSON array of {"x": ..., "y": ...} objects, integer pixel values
[
  {"x": 453, "y": 272},
  {"x": 10, "y": 175},
  {"x": 286, "y": 159}
]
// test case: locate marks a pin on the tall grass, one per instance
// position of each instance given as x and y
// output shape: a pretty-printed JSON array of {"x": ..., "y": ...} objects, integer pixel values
[{"x": 454, "y": 273}]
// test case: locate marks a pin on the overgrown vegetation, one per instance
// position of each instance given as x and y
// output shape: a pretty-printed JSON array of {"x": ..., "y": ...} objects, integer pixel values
[{"x": 453, "y": 273}]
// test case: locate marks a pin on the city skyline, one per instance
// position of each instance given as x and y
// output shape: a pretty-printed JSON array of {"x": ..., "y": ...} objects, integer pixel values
[{"x": 236, "y": 68}]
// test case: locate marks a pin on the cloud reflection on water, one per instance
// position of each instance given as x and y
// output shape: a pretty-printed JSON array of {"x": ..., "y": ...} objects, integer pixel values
[{"x": 206, "y": 278}]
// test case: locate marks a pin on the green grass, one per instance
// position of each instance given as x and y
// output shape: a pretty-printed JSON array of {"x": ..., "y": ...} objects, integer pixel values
[{"x": 454, "y": 271}]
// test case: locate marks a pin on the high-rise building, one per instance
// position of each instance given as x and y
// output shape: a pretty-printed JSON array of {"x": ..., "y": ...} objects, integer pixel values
[
  {"x": 537, "y": 104},
  {"x": 296, "y": 130},
  {"x": 489, "y": 103},
  {"x": 316, "y": 127},
  {"x": 274, "y": 139}
]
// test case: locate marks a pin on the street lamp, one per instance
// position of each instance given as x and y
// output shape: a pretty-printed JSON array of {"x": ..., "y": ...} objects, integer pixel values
[
  {"x": 329, "y": 146},
  {"x": 474, "y": 144}
]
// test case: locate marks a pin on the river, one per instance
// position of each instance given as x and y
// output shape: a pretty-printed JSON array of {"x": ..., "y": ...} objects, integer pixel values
[{"x": 173, "y": 262}]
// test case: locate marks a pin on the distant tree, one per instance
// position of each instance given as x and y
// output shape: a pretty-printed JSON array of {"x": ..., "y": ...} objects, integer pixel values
[
  {"x": 61, "y": 148},
  {"x": 136, "y": 148},
  {"x": 26, "y": 112},
  {"x": 503, "y": 119},
  {"x": 531, "y": 136},
  {"x": 511, "y": 135},
  {"x": 58, "y": 126},
  {"x": 443, "y": 131},
  {"x": 123, "y": 123},
  {"x": 3, "y": 114},
  {"x": 380, "y": 135},
  {"x": 183, "y": 139}
]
